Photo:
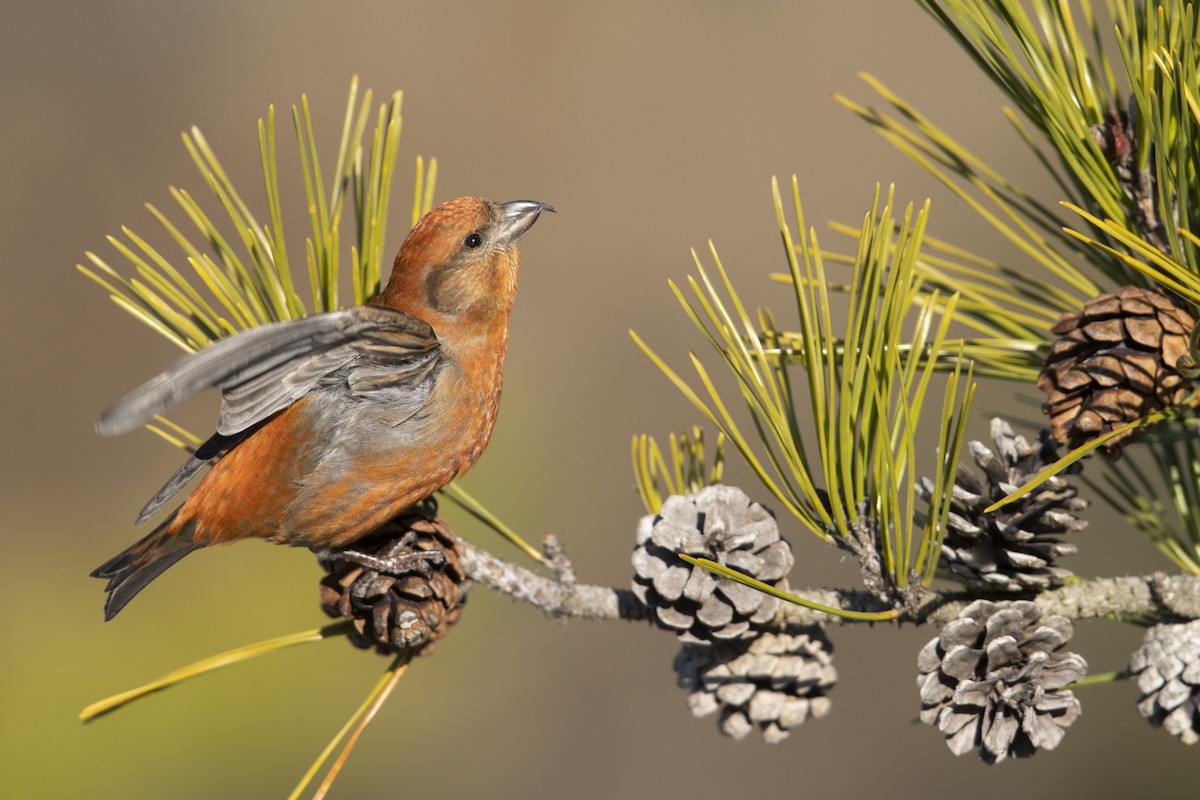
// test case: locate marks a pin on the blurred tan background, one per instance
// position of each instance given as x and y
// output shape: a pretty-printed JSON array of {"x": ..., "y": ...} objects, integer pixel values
[{"x": 652, "y": 128}]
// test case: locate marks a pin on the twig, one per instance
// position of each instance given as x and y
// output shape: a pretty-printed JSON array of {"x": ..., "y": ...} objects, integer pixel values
[{"x": 556, "y": 598}]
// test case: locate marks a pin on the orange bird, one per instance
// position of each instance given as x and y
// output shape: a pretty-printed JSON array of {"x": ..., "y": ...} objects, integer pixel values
[{"x": 333, "y": 424}]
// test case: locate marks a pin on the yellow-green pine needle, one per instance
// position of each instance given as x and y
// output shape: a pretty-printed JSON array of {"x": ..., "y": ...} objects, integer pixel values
[
  {"x": 358, "y": 722},
  {"x": 1079, "y": 452},
  {"x": 476, "y": 509},
  {"x": 206, "y": 665},
  {"x": 737, "y": 577}
]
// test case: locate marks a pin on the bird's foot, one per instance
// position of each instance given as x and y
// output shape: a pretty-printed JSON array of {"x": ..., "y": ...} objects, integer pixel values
[{"x": 393, "y": 560}]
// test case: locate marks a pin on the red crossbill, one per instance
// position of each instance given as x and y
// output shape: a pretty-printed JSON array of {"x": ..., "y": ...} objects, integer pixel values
[{"x": 333, "y": 424}]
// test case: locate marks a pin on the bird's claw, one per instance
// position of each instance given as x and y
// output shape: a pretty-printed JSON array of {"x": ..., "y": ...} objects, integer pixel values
[{"x": 395, "y": 564}]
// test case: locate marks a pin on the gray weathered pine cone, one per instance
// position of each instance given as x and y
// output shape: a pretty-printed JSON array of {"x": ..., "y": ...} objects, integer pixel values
[
  {"x": 722, "y": 524},
  {"x": 1017, "y": 547},
  {"x": 1167, "y": 670},
  {"x": 407, "y": 600},
  {"x": 993, "y": 680},
  {"x": 1114, "y": 362},
  {"x": 770, "y": 683}
]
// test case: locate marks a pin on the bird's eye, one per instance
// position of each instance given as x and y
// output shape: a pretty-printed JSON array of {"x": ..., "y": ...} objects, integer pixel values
[{"x": 472, "y": 241}]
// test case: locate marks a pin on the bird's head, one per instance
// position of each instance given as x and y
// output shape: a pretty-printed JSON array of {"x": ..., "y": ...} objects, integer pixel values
[{"x": 460, "y": 261}]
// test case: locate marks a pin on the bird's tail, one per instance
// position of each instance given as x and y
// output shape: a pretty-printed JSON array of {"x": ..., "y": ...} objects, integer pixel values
[{"x": 130, "y": 570}]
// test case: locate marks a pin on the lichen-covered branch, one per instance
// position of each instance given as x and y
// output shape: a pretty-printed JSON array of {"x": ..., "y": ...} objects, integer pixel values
[
  {"x": 1148, "y": 598},
  {"x": 560, "y": 596}
]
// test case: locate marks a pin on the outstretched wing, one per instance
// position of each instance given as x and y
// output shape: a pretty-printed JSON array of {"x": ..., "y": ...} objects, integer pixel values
[
  {"x": 365, "y": 350},
  {"x": 265, "y": 369}
]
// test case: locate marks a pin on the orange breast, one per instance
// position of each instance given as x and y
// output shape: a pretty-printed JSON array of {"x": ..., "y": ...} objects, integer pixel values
[
  {"x": 247, "y": 492},
  {"x": 317, "y": 477}
]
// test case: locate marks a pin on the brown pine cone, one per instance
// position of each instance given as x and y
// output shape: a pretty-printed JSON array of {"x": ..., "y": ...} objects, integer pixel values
[
  {"x": 1114, "y": 362},
  {"x": 401, "y": 586}
]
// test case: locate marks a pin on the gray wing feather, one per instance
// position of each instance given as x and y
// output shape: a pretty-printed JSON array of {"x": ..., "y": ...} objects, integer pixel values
[
  {"x": 249, "y": 401},
  {"x": 171, "y": 488},
  {"x": 266, "y": 369},
  {"x": 367, "y": 350},
  {"x": 219, "y": 362}
]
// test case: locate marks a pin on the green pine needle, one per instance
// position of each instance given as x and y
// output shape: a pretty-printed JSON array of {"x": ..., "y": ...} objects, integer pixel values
[
  {"x": 864, "y": 400},
  {"x": 1157, "y": 491}
]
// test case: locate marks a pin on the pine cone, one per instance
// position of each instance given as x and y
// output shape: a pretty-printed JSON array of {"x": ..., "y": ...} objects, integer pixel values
[
  {"x": 993, "y": 680},
  {"x": 1167, "y": 668},
  {"x": 400, "y": 586},
  {"x": 722, "y": 524},
  {"x": 772, "y": 682},
  {"x": 1013, "y": 549},
  {"x": 1114, "y": 362}
]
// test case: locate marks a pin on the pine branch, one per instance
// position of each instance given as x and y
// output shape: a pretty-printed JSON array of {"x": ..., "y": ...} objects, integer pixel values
[
  {"x": 1145, "y": 599},
  {"x": 559, "y": 597}
]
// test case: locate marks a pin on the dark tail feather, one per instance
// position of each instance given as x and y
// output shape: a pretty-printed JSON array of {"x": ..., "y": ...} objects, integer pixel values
[{"x": 131, "y": 569}]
